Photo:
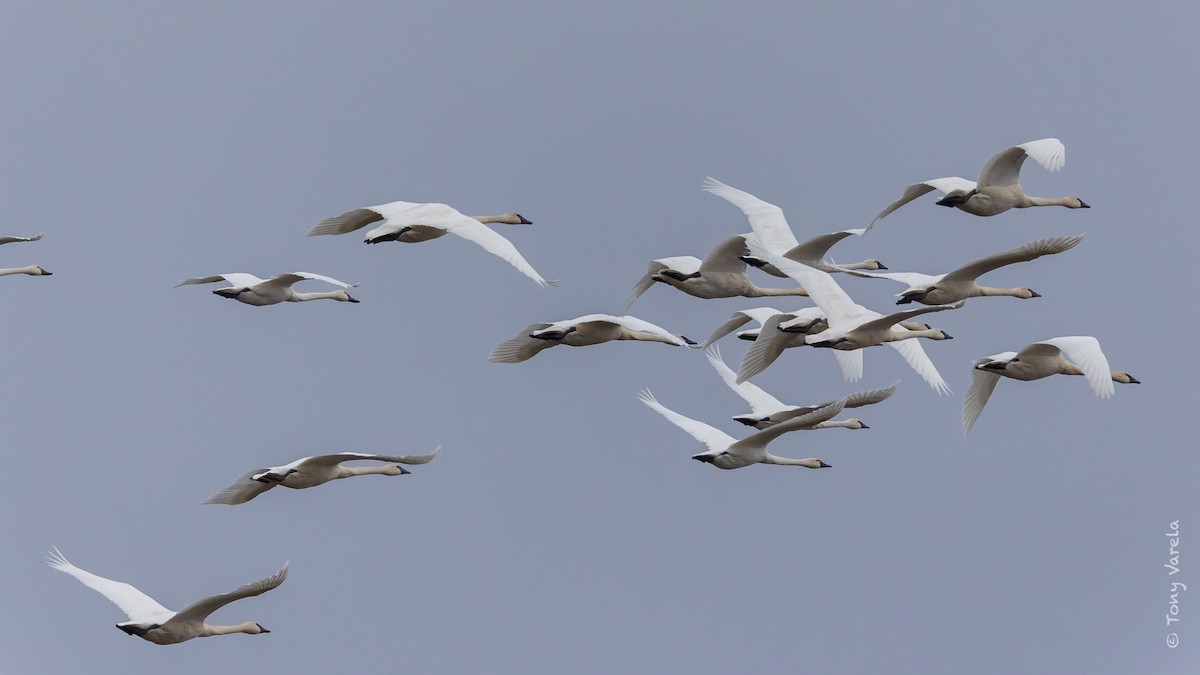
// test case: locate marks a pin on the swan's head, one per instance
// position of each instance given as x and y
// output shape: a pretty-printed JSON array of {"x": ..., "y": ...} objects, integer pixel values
[
  {"x": 514, "y": 218},
  {"x": 1125, "y": 378},
  {"x": 855, "y": 423},
  {"x": 1027, "y": 292},
  {"x": 395, "y": 470},
  {"x": 686, "y": 340},
  {"x": 38, "y": 271},
  {"x": 343, "y": 296},
  {"x": 256, "y": 629},
  {"x": 1079, "y": 203},
  {"x": 941, "y": 335},
  {"x": 823, "y": 465},
  {"x": 873, "y": 264}
]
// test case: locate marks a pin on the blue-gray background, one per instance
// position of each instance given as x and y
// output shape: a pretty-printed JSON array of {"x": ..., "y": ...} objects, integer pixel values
[{"x": 564, "y": 527}]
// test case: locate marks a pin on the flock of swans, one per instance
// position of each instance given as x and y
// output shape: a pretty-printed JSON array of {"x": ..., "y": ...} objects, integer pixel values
[{"x": 836, "y": 323}]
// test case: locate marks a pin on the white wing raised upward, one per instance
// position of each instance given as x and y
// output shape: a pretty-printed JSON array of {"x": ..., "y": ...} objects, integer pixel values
[
  {"x": 765, "y": 218},
  {"x": 761, "y": 403},
  {"x": 138, "y": 606},
  {"x": 714, "y": 438},
  {"x": 982, "y": 384},
  {"x": 199, "y": 610},
  {"x": 945, "y": 185},
  {"x": 915, "y": 355}
]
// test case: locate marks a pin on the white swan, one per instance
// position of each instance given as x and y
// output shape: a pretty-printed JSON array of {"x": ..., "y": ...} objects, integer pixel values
[
  {"x": 722, "y": 274},
  {"x": 997, "y": 190},
  {"x": 411, "y": 222},
  {"x": 741, "y": 318},
  {"x": 155, "y": 623},
  {"x": 726, "y": 452},
  {"x": 943, "y": 289},
  {"x": 1038, "y": 360},
  {"x": 31, "y": 270},
  {"x": 843, "y": 314},
  {"x": 251, "y": 290},
  {"x": 313, "y": 471},
  {"x": 11, "y": 240},
  {"x": 584, "y": 331},
  {"x": 766, "y": 410}
]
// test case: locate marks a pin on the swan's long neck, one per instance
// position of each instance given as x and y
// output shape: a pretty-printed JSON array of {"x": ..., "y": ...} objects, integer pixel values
[
  {"x": 929, "y": 334},
  {"x": 1069, "y": 202},
  {"x": 810, "y": 463},
  {"x": 507, "y": 219},
  {"x": 301, "y": 297},
  {"x": 992, "y": 291},
  {"x": 646, "y": 337},
  {"x": 348, "y": 471},
  {"x": 759, "y": 292},
  {"x": 864, "y": 265},
  {"x": 838, "y": 424},
  {"x": 247, "y": 627},
  {"x": 18, "y": 270}
]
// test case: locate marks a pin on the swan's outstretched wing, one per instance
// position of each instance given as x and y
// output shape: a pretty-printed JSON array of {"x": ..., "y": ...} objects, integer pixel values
[
  {"x": 285, "y": 280},
  {"x": 851, "y": 363},
  {"x": 238, "y": 279},
  {"x": 812, "y": 252},
  {"x": 11, "y": 240},
  {"x": 912, "y": 279},
  {"x": 640, "y": 325},
  {"x": 137, "y": 605},
  {"x": 1004, "y": 169},
  {"x": 726, "y": 256},
  {"x": 1083, "y": 351},
  {"x": 762, "y": 352},
  {"x": 522, "y": 347},
  {"x": 796, "y": 423},
  {"x": 948, "y": 184},
  {"x": 684, "y": 263},
  {"x": 982, "y": 384},
  {"x": 242, "y": 490},
  {"x": 339, "y": 457},
  {"x": 472, "y": 230},
  {"x": 761, "y": 403},
  {"x": 739, "y": 319},
  {"x": 886, "y": 322},
  {"x": 199, "y": 610},
  {"x": 916, "y": 357},
  {"x": 714, "y": 438},
  {"x": 347, "y": 222},
  {"x": 869, "y": 397},
  {"x": 1030, "y": 251},
  {"x": 837, "y": 305},
  {"x": 766, "y": 219}
]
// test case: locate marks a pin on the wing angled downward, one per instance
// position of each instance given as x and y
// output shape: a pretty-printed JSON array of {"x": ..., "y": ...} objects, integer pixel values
[
  {"x": 472, "y": 230},
  {"x": 714, "y": 438},
  {"x": 349, "y": 221},
  {"x": 982, "y": 384},
  {"x": 138, "y": 606},
  {"x": 199, "y": 610},
  {"x": 761, "y": 403},
  {"x": 522, "y": 347},
  {"x": 916, "y": 357},
  {"x": 1084, "y": 351}
]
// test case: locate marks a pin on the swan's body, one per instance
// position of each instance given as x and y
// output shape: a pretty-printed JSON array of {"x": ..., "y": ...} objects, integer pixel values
[
  {"x": 998, "y": 189},
  {"x": 12, "y": 240},
  {"x": 1038, "y": 360},
  {"x": 251, "y": 290},
  {"x": 851, "y": 326},
  {"x": 722, "y": 274},
  {"x": 31, "y": 270},
  {"x": 726, "y": 452},
  {"x": 960, "y": 284},
  {"x": 584, "y": 331},
  {"x": 415, "y": 222},
  {"x": 313, "y": 471},
  {"x": 766, "y": 410},
  {"x": 155, "y": 623}
]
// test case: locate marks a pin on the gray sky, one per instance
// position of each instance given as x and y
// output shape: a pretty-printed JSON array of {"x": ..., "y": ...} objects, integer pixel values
[{"x": 564, "y": 527}]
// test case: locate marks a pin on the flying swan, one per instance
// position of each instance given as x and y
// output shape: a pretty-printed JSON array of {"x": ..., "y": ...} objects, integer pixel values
[
  {"x": 411, "y": 222},
  {"x": 1038, "y": 360},
  {"x": 155, "y": 623},
  {"x": 313, "y": 471},
  {"x": 251, "y": 290},
  {"x": 997, "y": 190},
  {"x": 584, "y": 331}
]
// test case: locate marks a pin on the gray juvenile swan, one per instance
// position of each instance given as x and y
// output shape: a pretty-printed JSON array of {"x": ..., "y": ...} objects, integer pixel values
[
  {"x": 155, "y": 623},
  {"x": 722, "y": 274},
  {"x": 309, "y": 472},
  {"x": 726, "y": 452},
  {"x": 997, "y": 190},
  {"x": 251, "y": 290},
  {"x": 944, "y": 289},
  {"x": 1038, "y": 360},
  {"x": 411, "y": 222},
  {"x": 584, "y": 331}
]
